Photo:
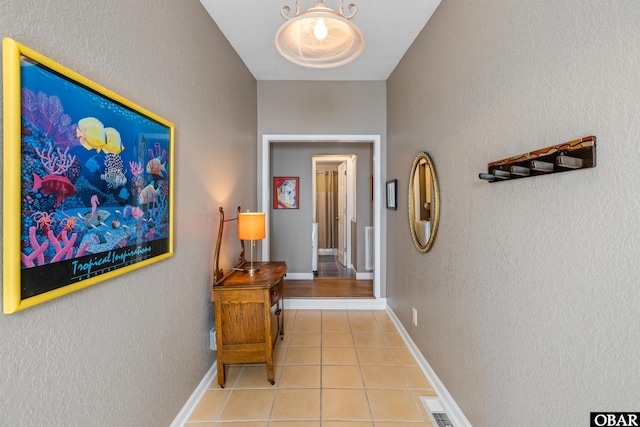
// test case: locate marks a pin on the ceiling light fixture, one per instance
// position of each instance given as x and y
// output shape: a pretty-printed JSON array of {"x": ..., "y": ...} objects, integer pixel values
[{"x": 319, "y": 37}]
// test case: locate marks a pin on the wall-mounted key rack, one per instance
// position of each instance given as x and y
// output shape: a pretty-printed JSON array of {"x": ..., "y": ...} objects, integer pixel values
[{"x": 572, "y": 155}]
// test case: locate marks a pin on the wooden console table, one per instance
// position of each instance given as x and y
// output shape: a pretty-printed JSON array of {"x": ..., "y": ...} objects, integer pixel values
[{"x": 249, "y": 316}]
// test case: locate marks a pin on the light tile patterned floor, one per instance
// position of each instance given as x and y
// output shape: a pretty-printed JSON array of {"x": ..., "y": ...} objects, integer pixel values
[{"x": 334, "y": 368}]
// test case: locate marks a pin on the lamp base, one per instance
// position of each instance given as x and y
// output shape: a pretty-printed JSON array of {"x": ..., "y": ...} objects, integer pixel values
[{"x": 251, "y": 271}]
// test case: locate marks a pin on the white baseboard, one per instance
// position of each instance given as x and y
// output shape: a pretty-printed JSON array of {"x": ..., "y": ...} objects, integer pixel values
[
  {"x": 335, "y": 303},
  {"x": 299, "y": 276},
  {"x": 365, "y": 275},
  {"x": 184, "y": 414},
  {"x": 325, "y": 251},
  {"x": 451, "y": 407}
]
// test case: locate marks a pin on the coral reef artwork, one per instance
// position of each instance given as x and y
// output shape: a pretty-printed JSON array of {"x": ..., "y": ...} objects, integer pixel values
[
  {"x": 46, "y": 114},
  {"x": 95, "y": 182}
]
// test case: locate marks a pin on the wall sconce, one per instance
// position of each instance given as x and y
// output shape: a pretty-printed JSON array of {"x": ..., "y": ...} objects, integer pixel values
[{"x": 251, "y": 226}]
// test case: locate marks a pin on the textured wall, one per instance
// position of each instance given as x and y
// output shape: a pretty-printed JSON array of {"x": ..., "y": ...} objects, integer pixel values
[
  {"x": 130, "y": 351},
  {"x": 528, "y": 301}
]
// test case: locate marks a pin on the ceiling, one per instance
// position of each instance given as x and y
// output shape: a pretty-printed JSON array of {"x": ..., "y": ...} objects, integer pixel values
[{"x": 389, "y": 28}]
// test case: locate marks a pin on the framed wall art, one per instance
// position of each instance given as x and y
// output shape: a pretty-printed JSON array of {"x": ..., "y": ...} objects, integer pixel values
[
  {"x": 285, "y": 192},
  {"x": 88, "y": 181},
  {"x": 392, "y": 194}
]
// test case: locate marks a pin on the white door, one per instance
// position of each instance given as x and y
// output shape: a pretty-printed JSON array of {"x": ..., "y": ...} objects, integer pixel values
[{"x": 342, "y": 213}]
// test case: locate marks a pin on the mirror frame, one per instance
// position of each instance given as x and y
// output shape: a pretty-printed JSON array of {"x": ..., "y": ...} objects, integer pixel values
[{"x": 436, "y": 203}]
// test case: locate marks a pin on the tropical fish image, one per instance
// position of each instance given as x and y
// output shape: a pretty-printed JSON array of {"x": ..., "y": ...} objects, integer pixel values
[
  {"x": 92, "y": 164},
  {"x": 94, "y": 136},
  {"x": 147, "y": 195},
  {"x": 114, "y": 176},
  {"x": 114, "y": 144},
  {"x": 154, "y": 167},
  {"x": 123, "y": 194},
  {"x": 82, "y": 175},
  {"x": 91, "y": 133},
  {"x": 54, "y": 184}
]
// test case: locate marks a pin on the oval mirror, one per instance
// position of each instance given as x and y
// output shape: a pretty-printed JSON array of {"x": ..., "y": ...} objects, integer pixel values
[{"x": 424, "y": 202}]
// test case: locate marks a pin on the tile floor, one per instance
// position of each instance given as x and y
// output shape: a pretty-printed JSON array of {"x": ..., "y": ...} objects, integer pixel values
[{"x": 334, "y": 368}]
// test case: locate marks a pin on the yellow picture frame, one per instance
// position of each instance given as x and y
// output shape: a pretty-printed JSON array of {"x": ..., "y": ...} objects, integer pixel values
[{"x": 78, "y": 207}]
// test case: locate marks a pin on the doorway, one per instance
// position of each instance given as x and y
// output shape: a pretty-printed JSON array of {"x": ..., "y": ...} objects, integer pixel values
[
  {"x": 333, "y": 208},
  {"x": 264, "y": 198}
]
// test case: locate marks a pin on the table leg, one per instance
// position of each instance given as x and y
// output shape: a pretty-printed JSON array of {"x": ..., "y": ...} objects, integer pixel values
[{"x": 220, "y": 374}]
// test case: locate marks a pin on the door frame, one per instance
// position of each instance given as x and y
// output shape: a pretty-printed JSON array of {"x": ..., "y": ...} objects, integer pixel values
[{"x": 264, "y": 168}]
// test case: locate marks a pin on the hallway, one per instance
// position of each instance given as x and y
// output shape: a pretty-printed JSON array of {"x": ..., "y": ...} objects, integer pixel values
[
  {"x": 329, "y": 267},
  {"x": 346, "y": 368}
]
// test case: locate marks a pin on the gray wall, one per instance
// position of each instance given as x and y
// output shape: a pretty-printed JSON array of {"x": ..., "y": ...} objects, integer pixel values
[
  {"x": 528, "y": 301},
  {"x": 291, "y": 228},
  {"x": 130, "y": 351},
  {"x": 323, "y": 108}
]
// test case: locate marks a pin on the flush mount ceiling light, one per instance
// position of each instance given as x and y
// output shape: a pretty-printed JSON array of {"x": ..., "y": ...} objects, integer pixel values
[{"x": 319, "y": 37}]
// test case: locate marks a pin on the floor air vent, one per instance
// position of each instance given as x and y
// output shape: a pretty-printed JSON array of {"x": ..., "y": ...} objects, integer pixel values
[{"x": 436, "y": 411}]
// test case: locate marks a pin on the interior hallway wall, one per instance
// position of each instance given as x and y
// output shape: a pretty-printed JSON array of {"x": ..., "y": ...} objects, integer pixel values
[
  {"x": 528, "y": 301},
  {"x": 131, "y": 350}
]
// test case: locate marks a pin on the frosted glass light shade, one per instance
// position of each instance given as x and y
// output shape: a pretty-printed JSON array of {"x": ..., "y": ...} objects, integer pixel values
[
  {"x": 251, "y": 225},
  {"x": 296, "y": 41}
]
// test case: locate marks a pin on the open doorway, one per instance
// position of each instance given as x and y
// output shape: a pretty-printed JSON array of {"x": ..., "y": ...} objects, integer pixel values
[
  {"x": 296, "y": 254},
  {"x": 334, "y": 196}
]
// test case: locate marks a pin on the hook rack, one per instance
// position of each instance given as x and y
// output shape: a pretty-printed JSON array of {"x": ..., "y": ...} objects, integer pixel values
[{"x": 572, "y": 155}]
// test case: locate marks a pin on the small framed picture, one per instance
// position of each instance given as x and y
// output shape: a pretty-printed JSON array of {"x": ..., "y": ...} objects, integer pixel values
[
  {"x": 285, "y": 192},
  {"x": 392, "y": 194}
]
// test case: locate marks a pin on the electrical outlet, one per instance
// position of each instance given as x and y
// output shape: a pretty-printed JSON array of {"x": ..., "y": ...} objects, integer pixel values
[{"x": 415, "y": 317}]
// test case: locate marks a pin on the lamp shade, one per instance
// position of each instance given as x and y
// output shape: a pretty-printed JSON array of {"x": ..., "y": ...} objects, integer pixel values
[{"x": 251, "y": 226}]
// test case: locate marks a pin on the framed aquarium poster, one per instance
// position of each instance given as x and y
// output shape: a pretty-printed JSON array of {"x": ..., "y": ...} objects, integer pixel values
[
  {"x": 88, "y": 181},
  {"x": 285, "y": 192}
]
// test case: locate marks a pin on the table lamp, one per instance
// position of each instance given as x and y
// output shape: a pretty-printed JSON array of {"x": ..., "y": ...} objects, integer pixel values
[{"x": 251, "y": 226}]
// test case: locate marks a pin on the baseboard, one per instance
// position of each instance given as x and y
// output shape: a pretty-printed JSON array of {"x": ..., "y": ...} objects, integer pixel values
[
  {"x": 299, "y": 276},
  {"x": 325, "y": 251},
  {"x": 335, "y": 303},
  {"x": 453, "y": 410},
  {"x": 365, "y": 275},
  {"x": 184, "y": 414}
]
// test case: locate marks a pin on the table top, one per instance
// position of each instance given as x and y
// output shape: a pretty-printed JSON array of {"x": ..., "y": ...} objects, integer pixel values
[{"x": 268, "y": 273}]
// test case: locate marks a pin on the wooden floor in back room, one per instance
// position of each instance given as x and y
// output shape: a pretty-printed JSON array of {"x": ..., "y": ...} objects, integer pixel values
[
  {"x": 329, "y": 288},
  {"x": 333, "y": 281}
]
